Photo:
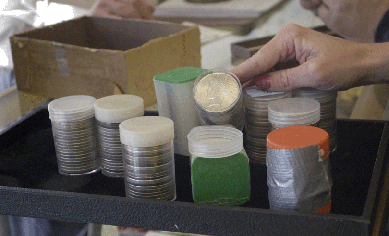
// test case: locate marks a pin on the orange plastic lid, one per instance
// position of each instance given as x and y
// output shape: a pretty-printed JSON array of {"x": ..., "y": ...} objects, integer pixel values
[{"x": 299, "y": 136}]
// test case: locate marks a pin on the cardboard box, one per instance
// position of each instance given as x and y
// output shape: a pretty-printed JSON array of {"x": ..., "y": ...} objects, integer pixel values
[{"x": 100, "y": 56}]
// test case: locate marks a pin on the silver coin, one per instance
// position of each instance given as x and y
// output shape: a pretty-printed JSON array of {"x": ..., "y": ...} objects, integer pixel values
[
  {"x": 77, "y": 166},
  {"x": 111, "y": 156},
  {"x": 111, "y": 150},
  {"x": 163, "y": 196},
  {"x": 108, "y": 125},
  {"x": 147, "y": 151},
  {"x": 147, "y": 161},
  {"x": 77, "y": 171},
  {"x": 149, "y": 171},
  {"x": 112, "y": 173},
  {"x": 149, "y": 183},
  {"x": 77, "y": 156},
  {"x": 112, "y": 161},
  {"x": 147, "y": 175},
  {"x": 258, "y": 132},
  {"x": 161, "y": 186},
  {"x": 151, "y": 191},
  {"x": 217, "y": 92}
]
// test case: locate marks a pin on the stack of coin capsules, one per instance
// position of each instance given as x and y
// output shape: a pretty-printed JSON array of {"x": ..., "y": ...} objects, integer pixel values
[
  {"x": 74, "y": 130},
  {"x": 218, "y": 98},
  {"x": 293, "y": 111},
  {"x": 110, "y": 111},
  {"x": 257, "y": 125},
  {"x": 327, "y": 100},
  {"x": 148, "y": 157}
]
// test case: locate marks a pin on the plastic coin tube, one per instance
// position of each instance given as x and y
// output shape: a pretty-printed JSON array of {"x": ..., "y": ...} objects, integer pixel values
[
  {"x": 174, "y": 90},
  {"x": 110, "y": 111},
  {"x": 218, "y": 98},
  {"x": 74, "y": 130},
  {"x": 148, "y": 157},
  {"x": 298, "y": 174},
  {"x": 219, "y": 166}
]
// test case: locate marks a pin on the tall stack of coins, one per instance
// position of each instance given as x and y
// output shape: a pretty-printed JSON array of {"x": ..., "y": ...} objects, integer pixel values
[
  {"x": 293, "y": 111},
  {"x": 74, "y": 130},
  {"x": 174, "y": 90},
  {"x": 218, "y": 98},
  {"x": 148, "y": 157},
  {"x": 110, "y": 112},
  {"x": 298, "y": 176},
  {"x": 257, "y": 125},
  {"x": 327, "y": 100}
]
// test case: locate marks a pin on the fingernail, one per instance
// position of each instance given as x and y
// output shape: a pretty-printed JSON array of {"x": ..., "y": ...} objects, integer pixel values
[{"x": 263, "y": 82}]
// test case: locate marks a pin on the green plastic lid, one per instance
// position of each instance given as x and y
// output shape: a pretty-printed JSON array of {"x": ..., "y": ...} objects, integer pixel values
[{"x": 180, "y": 75}]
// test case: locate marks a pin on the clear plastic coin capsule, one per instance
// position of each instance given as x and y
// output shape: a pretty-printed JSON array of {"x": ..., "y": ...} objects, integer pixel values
[
  {"x": 218, "y": 98},
  {"x": 148, "y": 157},
  {"x": 110, "y": 112},
  {"x": 74, "y": 130}
]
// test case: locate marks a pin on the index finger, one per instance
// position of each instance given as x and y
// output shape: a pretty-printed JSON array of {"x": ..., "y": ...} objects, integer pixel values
[
  {"x": 278, "y": 49},
  {"x": 310, "y": 4}
]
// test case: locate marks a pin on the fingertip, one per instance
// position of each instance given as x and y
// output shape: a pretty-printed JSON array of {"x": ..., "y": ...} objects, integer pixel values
[
  {"x": 248, "y": 84},
  {"x": 263, "y": 82}
]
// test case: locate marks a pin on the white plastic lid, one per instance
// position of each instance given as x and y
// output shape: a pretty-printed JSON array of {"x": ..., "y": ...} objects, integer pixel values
[
  {"x": 146, "y": 131},
  {"x": 118, "y": 108},
  {"x": 293, "y": 111},
  {"x": 72, "y": 108},
  {"x": 215, "y": 141}
]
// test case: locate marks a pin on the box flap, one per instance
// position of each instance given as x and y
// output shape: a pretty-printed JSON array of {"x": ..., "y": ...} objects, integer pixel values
[{"x": 100, "y": 56}]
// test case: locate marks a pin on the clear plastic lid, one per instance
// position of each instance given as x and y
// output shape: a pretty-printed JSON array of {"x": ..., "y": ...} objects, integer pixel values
[
  {"x": 257, "y": 99},
  {"x": 217, "y": 90},
  {"x": 319, "y": 95},
  {"x": 72, "y": 108},
  {"x": 215, "y": 141},
  {"x": 146, "y": 131},
  {"x": 117, "y": 108},
  {"x": 291, "y": 111}
]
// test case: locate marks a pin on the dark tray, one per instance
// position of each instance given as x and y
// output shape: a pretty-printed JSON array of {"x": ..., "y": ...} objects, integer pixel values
[{"x": 31, "y": 186}]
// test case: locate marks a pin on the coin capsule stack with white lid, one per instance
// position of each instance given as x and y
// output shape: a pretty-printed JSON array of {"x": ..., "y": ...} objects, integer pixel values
[
  {"x": 148, "y": 157},
  {"x": 110, "y": 111},
  {"x": 218, "y": 98},
  {"x": 327, "y": 100},
  {"x": 257, "y": 125},
  {"x": 74, "y": 130},
  {"x": 293, "y": 111}
]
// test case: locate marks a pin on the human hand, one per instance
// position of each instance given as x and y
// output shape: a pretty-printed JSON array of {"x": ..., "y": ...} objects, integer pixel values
[
  {"x": 138, "y": 9},
  {"x": 326, "y": 62},
  {"x": 356, "y": 20}
]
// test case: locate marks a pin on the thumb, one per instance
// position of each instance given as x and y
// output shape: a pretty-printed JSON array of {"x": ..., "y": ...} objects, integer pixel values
[{"x": 285, "y": 80}]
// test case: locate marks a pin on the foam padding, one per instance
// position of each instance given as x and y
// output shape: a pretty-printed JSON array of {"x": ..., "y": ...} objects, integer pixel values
[{"x": 221, "y": 181}]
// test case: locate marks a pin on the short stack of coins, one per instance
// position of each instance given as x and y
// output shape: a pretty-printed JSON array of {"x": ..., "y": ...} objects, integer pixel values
[
  {"x": 74, "y": 130},
  {"x": 327, "y": 100},
  {"x": 148, "y": 157},
  {"x": 218, "y": 98},
  {"x": 293, "y": 111},
  {"x": 110, "y": 111},
  {"x": 257, "y": 125}
]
